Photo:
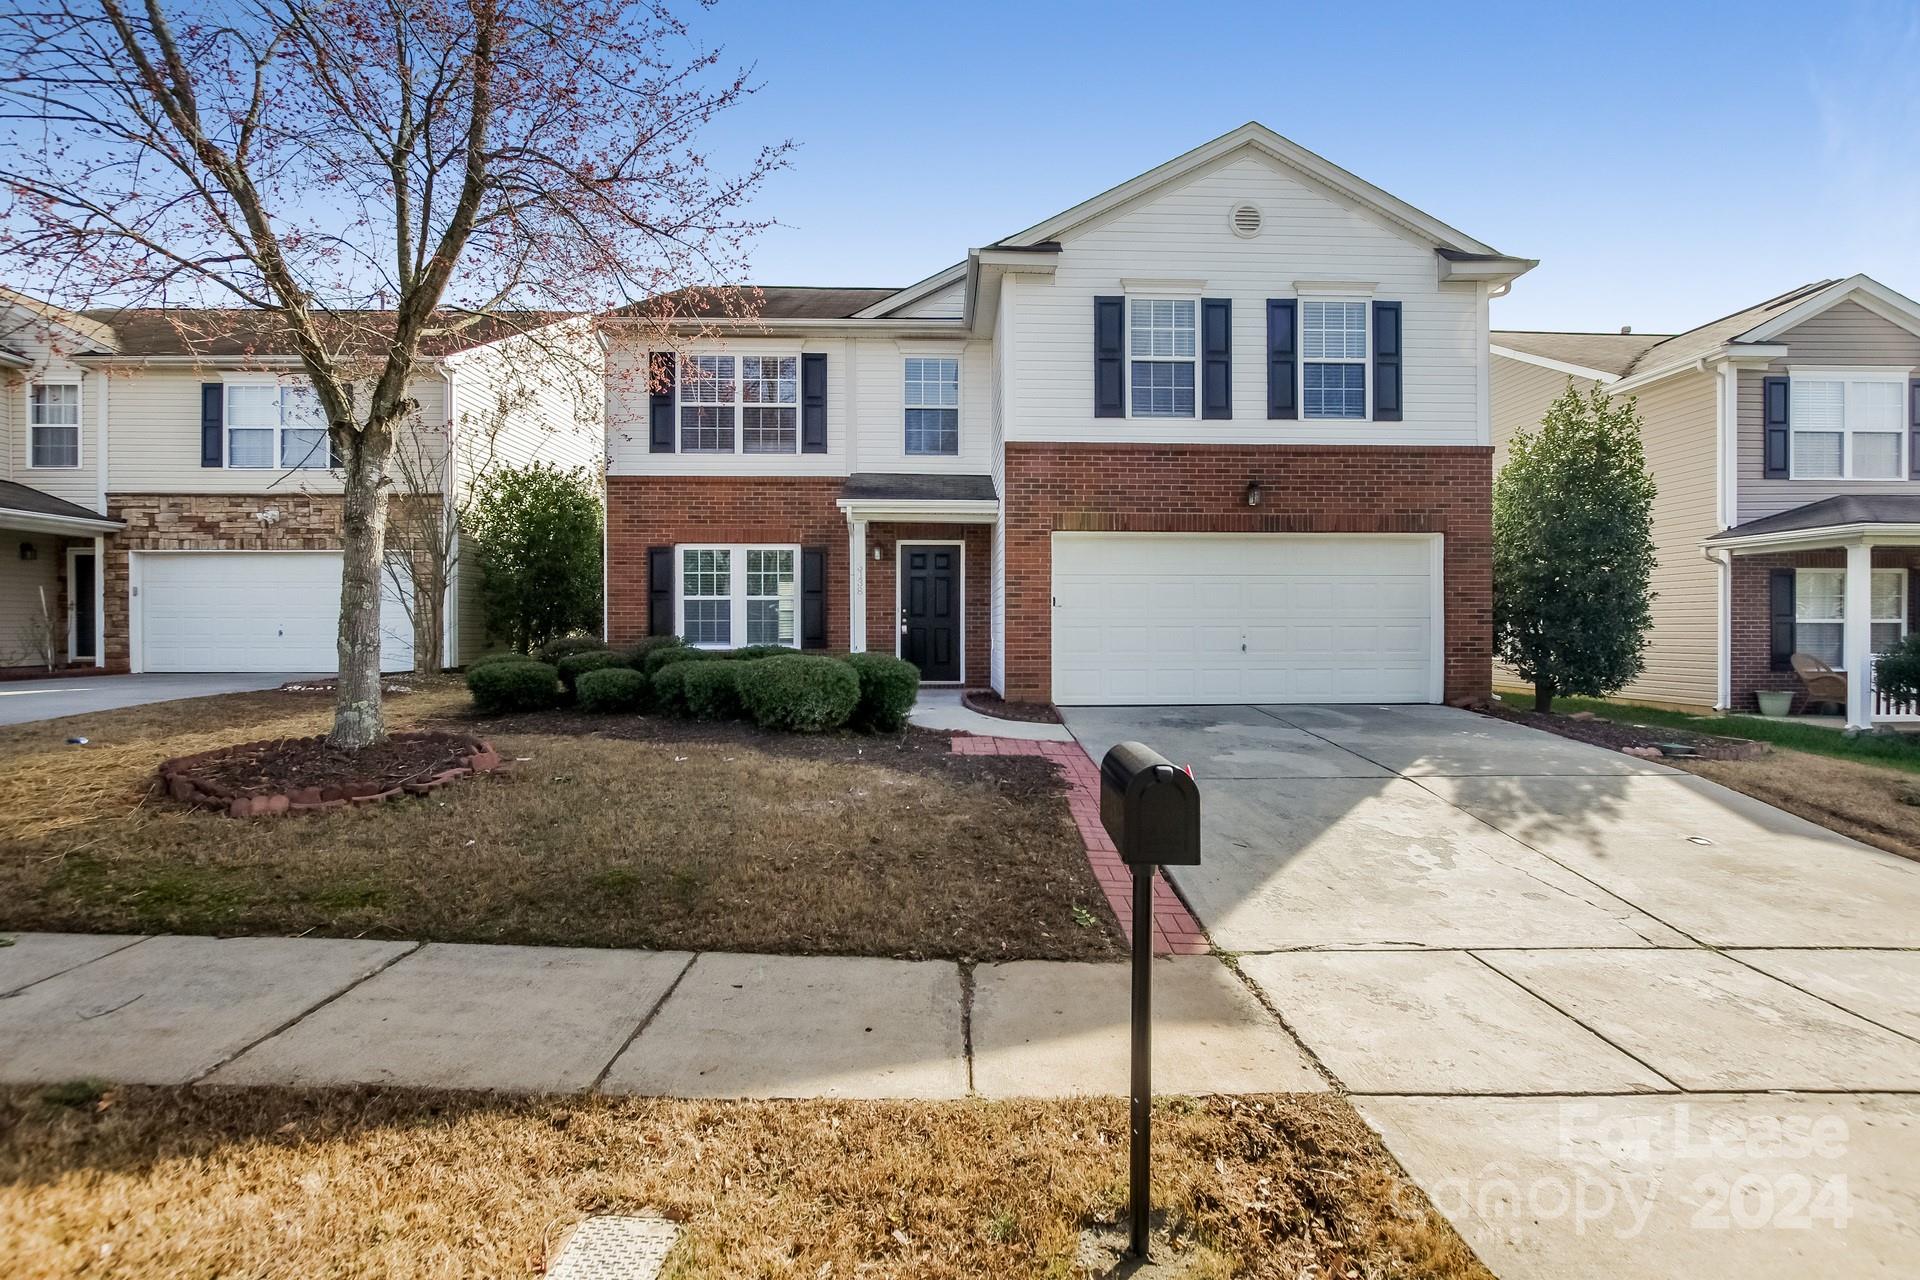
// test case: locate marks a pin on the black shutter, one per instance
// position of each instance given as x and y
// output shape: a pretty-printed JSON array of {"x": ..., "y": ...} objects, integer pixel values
[
  {"x": 1281, "y": 379},
  {"x": 1216, "y": 357},
  {"x": 660, "y": 366},
  {"x": 1780, "y": 619},
  {"x": 813, "y": 403},
  {"x": 212, "y": 424},
  {"x": 1774, "y": 399},
  {"x": 813, "y": 598},
  {"x": 1386, "y": 362},
  {"x": 334, "y": 459},
  {"x": 659, "y": 591},
  {"x": 1913, "y": 426},
  {"x": 1109, "y": 357}
]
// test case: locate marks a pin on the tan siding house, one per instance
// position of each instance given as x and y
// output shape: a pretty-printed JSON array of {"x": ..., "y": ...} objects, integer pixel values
[{"x": 1785, "y": 443}]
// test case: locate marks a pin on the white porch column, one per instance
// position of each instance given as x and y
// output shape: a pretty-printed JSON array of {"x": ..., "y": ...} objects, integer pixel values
[
  {"x": 856, "y": 585},
  {"x": 100, "y": 599},
  {"x": 1856, "y": 644}
]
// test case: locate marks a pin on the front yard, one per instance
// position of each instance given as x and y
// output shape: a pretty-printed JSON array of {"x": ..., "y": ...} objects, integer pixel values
[
  {"x": 1865, "y": 786},
  {"x": 608, "y": 831},
  {"x": 199, "y": 1182}
]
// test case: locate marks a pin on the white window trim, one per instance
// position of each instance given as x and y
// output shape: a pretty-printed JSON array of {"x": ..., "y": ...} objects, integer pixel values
[
  {"x": 1365, "y": 361},
  {"x": 1840, "y": 620},
  {"x": 1848, "y": 376},
  {"x": 279, "y": 430},
  {"x": 79, "y": 423},
  {"x": 1126, "y": 336},
  {"x": 740, "y": 403},
  {"x": 959, "y": 393},
  {"x": 736, "y": 589}
]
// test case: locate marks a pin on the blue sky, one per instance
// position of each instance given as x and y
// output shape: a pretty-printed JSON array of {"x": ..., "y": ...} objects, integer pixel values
[{"x": 1668, "y": 163}]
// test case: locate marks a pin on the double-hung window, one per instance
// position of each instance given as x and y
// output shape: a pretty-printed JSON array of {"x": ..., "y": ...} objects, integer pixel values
[
  {"x": 54, "y": 425},
  {"x": 269, "y": 425},
  {"x": 1333, "y": 359},
  {"x": 1161, "y": 348},
  {"x": 758, "y": 394},
  {"x": 739, "y": 595},
  {"x": 1849, "y": 426},
  {"x": 933, "y": 404},
  {"x": 1819, "y": 611}
]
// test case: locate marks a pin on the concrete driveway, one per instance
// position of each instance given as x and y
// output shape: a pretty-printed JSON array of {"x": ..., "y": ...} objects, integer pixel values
[
  {"x": 25, "y": 700},
  {"x": 1617, "y": 1019}
]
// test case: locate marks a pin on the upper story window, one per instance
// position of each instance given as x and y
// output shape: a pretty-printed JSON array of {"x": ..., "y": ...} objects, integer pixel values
[
  {"x": 1333, "y": 359},
  {"x": 1161, "y": 349},
  {"x": 1850, "y": 427},
  {"x": 54, "y": 425},
  {"x": 933, "y": 404},
  {"x": 758, "y": 394},
  {"x": 269, "y": 425}
]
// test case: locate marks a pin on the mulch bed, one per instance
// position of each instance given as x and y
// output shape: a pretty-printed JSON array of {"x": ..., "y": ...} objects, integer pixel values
[
  {"x": 989, "y": 703},
  {"x": 1616, "y": 736},
  {"x": 282, "y": 775}
]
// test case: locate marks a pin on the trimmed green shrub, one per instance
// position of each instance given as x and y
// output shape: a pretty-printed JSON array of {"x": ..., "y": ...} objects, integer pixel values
[
  {"x": 509, "y": 655},
  {"x": 800, "y": 692},
  {"x": 712, "y": 689},
  {"x": 752, "y": 652},
  {"x": 572, "y": 667},
  {"x": 566, "y": 646},
  {"x": 657, "y": 660},
  {"x": 513, "y": 686},
  {"x": 669, "y": 685},
  {"x": 637, "y": 651},
  {"x": 889, "y": 687},
  {"x": 608, "y": 689}
]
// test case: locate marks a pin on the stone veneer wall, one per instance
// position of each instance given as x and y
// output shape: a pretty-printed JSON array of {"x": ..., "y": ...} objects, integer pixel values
[{"x": 209, "y": 522}]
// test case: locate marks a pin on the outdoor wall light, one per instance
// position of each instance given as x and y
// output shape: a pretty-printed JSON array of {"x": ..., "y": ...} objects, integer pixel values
[
  {"x": 29, "y": 552},
  {"x": 1253, "y": 493},
  {"x": 878, "y": 555}
]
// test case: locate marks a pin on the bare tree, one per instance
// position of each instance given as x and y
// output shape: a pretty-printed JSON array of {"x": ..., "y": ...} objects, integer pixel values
[{"x": 371, "y": 180}]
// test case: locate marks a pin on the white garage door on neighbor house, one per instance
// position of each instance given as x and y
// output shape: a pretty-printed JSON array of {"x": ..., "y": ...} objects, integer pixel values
[
  {"x": 249, "y": 611},
  {"x": 1143, "y": 619}
]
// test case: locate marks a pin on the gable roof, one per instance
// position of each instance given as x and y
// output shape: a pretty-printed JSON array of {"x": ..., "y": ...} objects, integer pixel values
[
  {"x": 777, "y": 302},
  {"x": 1704, "y": 340},
  {"x": 217, "y": 333},
  {"x": 1609, "y": 353}
]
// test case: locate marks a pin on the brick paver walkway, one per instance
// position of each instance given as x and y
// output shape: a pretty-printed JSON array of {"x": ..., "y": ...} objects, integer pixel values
[{"x": 1175, "y": 931}]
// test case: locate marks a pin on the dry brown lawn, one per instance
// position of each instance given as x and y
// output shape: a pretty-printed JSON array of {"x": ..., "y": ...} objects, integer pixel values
[
  {"x": 607, "y": 832},
  {"x": 1874, "y": 804},
  {"x": 157, "y": 1183}
]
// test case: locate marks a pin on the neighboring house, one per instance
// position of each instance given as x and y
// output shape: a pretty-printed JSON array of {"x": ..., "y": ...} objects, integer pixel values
[
  {"x": 1783, "y": 443},
  {"x": 166, "y": 486},
  {"x": 1219, "y": 434}
]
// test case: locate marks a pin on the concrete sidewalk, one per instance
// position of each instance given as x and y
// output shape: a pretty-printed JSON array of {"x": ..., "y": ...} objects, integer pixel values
[{"x": 313, "y": 1011}]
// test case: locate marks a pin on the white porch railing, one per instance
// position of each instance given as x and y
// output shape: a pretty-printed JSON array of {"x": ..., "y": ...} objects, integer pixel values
[{"x": 1886, "y": 707}]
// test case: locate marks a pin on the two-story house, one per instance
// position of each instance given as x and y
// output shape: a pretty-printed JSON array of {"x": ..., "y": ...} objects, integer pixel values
[
  {"x": 168, "y": 500},
  {"x": 1219, "y": 434},
  {"x": 1785, "y": 444}
]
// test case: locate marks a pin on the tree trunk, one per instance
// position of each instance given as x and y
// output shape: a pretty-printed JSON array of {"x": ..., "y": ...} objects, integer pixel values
[
  {"x": 1542, "y": 696},
  {"x": 357, "y": 721}
]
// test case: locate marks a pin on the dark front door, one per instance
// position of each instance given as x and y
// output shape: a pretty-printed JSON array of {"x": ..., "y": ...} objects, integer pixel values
[
  {"x": 81, "y": 592},
  {"x": 930, "y": 610}
]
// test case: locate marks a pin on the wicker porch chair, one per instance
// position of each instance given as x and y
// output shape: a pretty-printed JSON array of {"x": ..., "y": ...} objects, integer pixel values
[{"x": 1823, "y": 683}]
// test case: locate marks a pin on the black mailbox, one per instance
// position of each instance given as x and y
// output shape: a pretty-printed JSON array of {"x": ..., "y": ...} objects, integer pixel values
[{"x": 1150, "y": 807}]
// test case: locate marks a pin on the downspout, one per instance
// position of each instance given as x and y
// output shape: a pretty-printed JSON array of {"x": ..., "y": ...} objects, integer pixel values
[{"x": 449, "y": 487}]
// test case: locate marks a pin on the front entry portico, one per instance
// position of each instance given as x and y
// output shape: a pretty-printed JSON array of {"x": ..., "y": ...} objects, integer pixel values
[{"x": 919, "y": 551}]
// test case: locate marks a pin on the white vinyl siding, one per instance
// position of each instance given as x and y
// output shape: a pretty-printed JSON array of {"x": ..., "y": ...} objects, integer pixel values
[
  {"x": 1848, "y": 426},
  {"x": 53, "y": 423},
  {"x": 1819, "y": 611},
  {"x": 737, "y": 595}
]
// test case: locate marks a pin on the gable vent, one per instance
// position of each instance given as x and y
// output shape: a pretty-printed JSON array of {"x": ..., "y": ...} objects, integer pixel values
[{"x": 1246, "y": 220}]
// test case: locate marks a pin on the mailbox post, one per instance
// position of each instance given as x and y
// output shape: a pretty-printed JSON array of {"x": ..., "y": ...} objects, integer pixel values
[{"x": 1152, "y": 810}]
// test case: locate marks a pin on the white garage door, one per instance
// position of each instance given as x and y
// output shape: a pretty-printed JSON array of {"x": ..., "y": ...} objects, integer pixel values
[
  {"x": 251, "y": 611},
  {"x": 1140, "y": 619}
]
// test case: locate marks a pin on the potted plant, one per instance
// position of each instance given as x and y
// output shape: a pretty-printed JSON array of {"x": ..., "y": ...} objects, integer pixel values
[{"x": 1774, "y": 702}]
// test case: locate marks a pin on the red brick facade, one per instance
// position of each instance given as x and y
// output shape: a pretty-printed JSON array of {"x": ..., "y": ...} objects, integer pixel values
[
  {"x": 1752, "y": 623},
  {"x": 660, "y": 511},
  {"x": 1202, "y": 489}
]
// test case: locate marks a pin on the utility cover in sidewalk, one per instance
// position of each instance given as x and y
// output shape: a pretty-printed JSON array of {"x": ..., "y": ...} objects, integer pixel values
[{"x": 612, "y": 1247}]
